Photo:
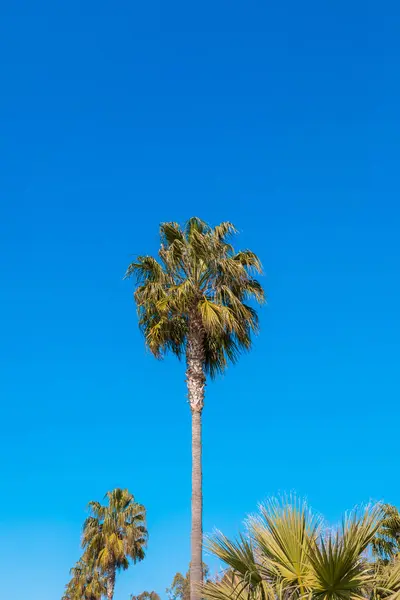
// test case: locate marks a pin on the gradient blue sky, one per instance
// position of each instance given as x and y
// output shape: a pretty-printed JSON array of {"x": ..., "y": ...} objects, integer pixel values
[{"x": 282, "y": 117}]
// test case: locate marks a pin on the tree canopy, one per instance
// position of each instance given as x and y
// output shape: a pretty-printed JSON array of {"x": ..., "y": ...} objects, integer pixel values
[{"x": 198, "y": 273}]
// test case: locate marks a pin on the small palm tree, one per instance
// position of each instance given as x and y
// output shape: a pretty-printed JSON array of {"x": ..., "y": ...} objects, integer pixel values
[
  {"x": 114, "y": 534},
  {"x": 87, "y": 583},
  {"x": 193, "y": 301},
  {"x": 288, "y": 554}
]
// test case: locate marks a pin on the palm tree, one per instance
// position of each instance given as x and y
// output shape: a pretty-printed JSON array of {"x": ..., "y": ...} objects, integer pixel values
[
  {"x": 386, "y": 544},
  {"x": 193, "y": 301},
  {"x": 87, "y": 583},
  {"x": 114, "y": 534},
  {"x": 288, "y": 554}
]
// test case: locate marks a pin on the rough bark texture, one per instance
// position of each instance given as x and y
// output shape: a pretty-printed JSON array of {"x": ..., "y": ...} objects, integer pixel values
[
  {"x": 195, "y": 379},
  {"x": 110, "y": 585}
]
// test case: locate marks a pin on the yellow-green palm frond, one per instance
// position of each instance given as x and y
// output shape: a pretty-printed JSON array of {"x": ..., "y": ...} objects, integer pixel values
[
  {"x": 387, "y": 580},
  {"x": 283, "y": 533},
  {"x": 235, "y": 587},
  {"x": 247, "y": 258},
  {"x": 361, "y": 525},
  {"x": 146, "y": 269},
  {"x": 171, "y": 232},
  {"x": 238, "y": 555},
  {"x": 224, "y": 230}
]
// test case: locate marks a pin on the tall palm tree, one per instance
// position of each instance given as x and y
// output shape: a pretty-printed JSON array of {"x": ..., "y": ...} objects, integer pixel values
[
  {"x": 288, "y": 554},
  {"x": 86, "y": 583},
  {"x": 113, "y": 534},
  {"x": 193, "y": 301}
]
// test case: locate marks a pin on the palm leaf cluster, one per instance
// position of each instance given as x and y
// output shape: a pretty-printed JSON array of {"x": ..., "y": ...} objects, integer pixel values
[
  {"x": 386, "y": 544},
  {"x": 198, "y": 275},
  {"x": 288, "y": 554},
  {"x": 87, "y": 583}
]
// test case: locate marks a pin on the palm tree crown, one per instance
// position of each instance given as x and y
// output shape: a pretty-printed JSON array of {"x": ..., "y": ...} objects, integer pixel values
[{"x": 199, "y": 280}]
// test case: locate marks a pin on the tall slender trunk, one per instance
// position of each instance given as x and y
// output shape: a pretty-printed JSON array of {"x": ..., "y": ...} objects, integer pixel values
[
  {"x": 196, "y": 564},
  {"x": 195, "y": 379},
  {"x": 111, "y": 585}
]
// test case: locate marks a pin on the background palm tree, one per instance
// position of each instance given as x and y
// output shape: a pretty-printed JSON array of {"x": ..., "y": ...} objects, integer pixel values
[
  {"x": 288, "y": 554},
  {"x": 87, "y": 583},
  {"x": 146, "y": 596},
  {"x": 386, "y": 544},
  {"x": 114, "y": 534},
  {"x": 193, "y": 300}
]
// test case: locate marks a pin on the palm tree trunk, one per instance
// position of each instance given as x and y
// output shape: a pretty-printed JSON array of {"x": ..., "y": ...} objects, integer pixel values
[
  {"x": 196, "y": 565},
  {"x": 195, "y": 379},
  {"x": 110, "y": 585}
]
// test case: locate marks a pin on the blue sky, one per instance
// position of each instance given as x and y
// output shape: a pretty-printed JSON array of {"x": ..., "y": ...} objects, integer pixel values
[{"x": 282, "y": 117}]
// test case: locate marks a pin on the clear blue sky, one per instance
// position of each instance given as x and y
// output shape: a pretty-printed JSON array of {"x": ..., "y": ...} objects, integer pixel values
[{"x": 282, "y": 117}]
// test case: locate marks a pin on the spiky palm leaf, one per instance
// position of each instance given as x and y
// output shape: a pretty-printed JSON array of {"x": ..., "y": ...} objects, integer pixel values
[{"x": 283, "y": 534}]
